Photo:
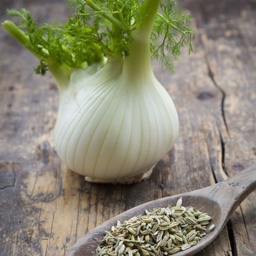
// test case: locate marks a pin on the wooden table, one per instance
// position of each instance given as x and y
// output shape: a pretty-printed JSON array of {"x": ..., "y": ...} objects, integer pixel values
[{"x": 45, "y": 208}]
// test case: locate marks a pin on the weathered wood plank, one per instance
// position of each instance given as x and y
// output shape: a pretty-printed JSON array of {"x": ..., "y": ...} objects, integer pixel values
[
  {"x": 227, "y": 33},
  {"x": 45, "y": 208}
]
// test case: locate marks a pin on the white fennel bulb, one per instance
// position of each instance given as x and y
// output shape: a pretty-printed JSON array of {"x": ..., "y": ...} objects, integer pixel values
[
  {"x": 111, "y": 128},
  {"x": 115, "y": 120}
]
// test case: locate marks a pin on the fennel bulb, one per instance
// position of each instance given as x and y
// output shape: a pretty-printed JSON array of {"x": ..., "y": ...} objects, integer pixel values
[
  {"x": 111, "y": 128},
  {"x": 115, "y": 120}
]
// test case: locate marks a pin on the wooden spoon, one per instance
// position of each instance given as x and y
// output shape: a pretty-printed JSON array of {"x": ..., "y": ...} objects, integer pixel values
[{"x": 219, "y": 201}]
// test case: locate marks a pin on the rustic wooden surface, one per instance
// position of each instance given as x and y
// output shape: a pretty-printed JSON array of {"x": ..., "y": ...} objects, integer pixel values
[{"x": 45, "y": 208}]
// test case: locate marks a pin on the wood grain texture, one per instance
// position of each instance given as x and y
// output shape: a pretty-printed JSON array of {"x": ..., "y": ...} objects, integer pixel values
[{"x": 45, "y": 208}]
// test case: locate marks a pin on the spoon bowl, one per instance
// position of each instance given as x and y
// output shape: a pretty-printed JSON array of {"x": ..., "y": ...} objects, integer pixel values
[{"x": 219, "y": 201}]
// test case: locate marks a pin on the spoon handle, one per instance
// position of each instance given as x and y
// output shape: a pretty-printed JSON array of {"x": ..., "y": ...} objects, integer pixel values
[{"x": 231, "y": 192}]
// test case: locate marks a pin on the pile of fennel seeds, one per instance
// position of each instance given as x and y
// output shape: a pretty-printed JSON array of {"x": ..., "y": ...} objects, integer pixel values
[{"x": 159, "y": 232}]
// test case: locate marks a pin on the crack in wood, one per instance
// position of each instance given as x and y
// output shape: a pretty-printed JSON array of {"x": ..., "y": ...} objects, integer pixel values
[
  {"x": 232, "y": 238},
  {"x": 5, "y": 187},
  {"x": 230, "y": 230},
  {"x": 223, "y": 94},
  {"x": 213, "y": 173},
  {"x": 223, "y": 152},
  {"x": 8, "y": 176},
  {"x": 214, "y": 82}
]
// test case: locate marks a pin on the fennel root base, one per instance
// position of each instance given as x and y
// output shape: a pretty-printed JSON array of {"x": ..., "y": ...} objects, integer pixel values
[{"x": 124, "y": 180}]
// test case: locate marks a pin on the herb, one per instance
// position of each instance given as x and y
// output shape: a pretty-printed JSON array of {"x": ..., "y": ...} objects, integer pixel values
[
  {"x": 99, "y": 29},
  {"x": 161, "y": 231}
]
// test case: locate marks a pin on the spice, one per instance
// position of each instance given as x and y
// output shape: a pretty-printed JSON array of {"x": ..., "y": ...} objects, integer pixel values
[{"x": 161, "y": 231}]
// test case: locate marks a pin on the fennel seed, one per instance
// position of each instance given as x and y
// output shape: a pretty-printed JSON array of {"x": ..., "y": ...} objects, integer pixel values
[{"x": 159, "y": 232}]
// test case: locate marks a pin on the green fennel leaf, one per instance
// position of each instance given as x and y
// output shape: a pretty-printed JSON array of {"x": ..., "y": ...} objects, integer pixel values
[
  {"x": 171, "y": 32},
  {"x": 99, "y": 29}
]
